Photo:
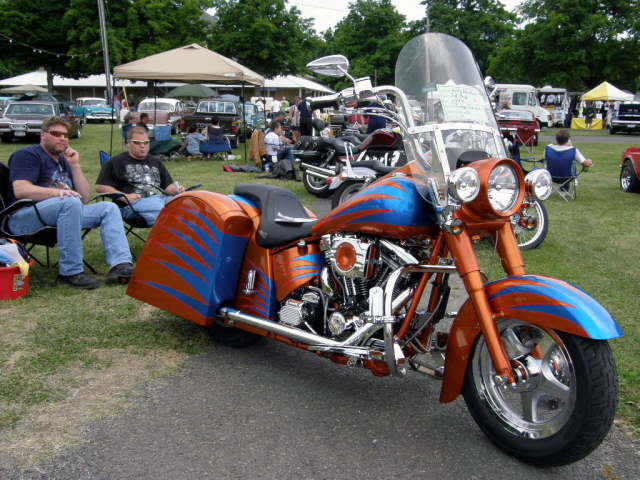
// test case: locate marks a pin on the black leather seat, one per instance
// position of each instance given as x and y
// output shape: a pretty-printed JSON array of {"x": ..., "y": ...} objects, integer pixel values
[{"x": 283, "y": 219}]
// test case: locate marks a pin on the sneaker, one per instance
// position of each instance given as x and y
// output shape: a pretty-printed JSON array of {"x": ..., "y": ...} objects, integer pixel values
[
  {"x": 79, "y": 280},
  {"x": 120, "y": 273}
]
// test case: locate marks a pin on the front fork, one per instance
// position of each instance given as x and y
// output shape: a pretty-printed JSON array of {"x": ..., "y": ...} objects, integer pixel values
[{"x": 467, "y": 264}]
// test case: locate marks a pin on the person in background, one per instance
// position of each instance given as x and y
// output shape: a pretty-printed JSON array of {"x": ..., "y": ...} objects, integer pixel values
[
  {"x": 305, "y": 116},
  {"x": 141, "y": 177},
  {"x": 563, "y": 142},
  {"x": 192, "y": 142},
  {"x": 50, "y": 173},
  {"x": 294, "y": 119},
  {"x": 275, "y": 107},
  {"x": 284, "y": 105},
  {"x": 275, "y": 143}
]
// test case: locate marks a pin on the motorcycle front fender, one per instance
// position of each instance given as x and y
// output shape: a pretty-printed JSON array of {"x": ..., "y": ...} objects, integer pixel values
[{"x": 543, "y": 301}]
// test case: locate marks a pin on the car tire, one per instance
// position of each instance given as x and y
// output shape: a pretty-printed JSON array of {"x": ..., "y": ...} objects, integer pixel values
[
  {"x": 629, "y": 182},
  {"x": 6, "y": 138},
  {"x": 612, "y": 131}
]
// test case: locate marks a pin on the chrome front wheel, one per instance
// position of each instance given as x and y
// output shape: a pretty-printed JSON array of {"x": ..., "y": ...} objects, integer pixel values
[{"x": 563, "y": 403}]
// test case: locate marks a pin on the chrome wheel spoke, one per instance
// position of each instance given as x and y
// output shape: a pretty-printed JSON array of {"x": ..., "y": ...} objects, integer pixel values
[{"x": 530, "y": 406}]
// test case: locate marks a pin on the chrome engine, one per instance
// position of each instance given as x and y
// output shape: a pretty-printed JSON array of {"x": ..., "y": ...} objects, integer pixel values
[{"x": 354, "y": 265}]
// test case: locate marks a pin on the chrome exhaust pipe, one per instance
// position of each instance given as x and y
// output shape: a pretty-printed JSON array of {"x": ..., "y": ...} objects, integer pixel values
[
  {"x": 316, "y": 169},
  {"x": 293, "y": 333}
]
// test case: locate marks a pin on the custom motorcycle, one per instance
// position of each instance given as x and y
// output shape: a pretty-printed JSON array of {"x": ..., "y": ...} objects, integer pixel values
[
  {"x": 368, "y": 285},
  {"x": 328, "y": 155}
]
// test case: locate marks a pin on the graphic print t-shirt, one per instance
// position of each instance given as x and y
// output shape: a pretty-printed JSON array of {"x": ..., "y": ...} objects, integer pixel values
[
  {"x": 36, "y": 165},
  {"x": 129, "y": 175}
]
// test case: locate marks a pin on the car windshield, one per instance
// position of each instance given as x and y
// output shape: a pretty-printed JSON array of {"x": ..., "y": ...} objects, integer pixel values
[
  {"x": 95, "y": 103},
  {"x": 514, "y": 115},
  {"x": 633, "y": 109},
  {"x": 217, "y": 107},
  {"x": 30, "y": 109},
  {"x": 149, "y": 106},
  {"x": 448, "y": 105}
]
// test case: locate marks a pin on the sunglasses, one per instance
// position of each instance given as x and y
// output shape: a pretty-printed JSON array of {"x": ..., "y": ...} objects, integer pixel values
[
  {"x": 58, "y": 134},
  {"x": 141, "y": 142}
]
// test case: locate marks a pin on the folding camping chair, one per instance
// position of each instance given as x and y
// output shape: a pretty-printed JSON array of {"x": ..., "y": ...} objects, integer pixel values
[
  {"x": 46, "y": 236},
  {"x": 217, "y": 144},
  {"x": 562, "y": 167}
]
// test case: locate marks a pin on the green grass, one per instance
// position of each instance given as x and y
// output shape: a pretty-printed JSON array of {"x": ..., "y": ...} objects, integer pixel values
[{"x": 592, "y": 242}]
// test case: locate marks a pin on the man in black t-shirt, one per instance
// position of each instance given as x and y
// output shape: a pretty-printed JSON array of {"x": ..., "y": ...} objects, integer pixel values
[{"x": 143, "y": 178}]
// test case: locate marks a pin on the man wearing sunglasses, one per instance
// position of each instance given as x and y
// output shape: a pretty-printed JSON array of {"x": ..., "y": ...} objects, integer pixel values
[
  {"x": 142, "y": 178},
  {"x": 50, "y": 173}
]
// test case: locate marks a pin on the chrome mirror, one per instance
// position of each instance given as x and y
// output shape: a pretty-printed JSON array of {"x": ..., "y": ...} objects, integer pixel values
[{"x": 331, "y": 65}]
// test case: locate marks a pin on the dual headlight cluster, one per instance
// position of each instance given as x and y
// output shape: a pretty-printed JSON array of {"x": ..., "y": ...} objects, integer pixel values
[{"x": 503, "y": 189}]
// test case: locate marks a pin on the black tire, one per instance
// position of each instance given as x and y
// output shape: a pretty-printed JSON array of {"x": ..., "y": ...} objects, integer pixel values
[
  {"x": 628, "y": 180},
  {"x": 6, "y": 138},
  {"x": 233, "y": 337},
  {"x": 612, "y": 131},
  {"x": 234, "y": 143},
  {"x": 568, "y": 417},
  {"x": 530, "y": 239},
  {"x": 345, "y": 192},
  {"x": 316, "y": 185}
]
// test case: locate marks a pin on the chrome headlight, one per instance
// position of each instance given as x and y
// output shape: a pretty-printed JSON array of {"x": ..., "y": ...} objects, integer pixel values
[
  {"x": 464, "y": 184},
  {"x": 540, "y": 180},
  {"x": 504, "y": 188}
]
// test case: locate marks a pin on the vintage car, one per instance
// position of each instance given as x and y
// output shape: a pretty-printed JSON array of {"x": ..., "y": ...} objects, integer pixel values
[
  {"x": 94, "y": 109},
  {"x": 226, "y": 111},
  {"x": 630, "y": 170},
  {"x": 626, "y": 118},
  {"x": 521, "y": 124},
  {"x": 24, "y": 119},
  {"x": 161, "y": 111}
]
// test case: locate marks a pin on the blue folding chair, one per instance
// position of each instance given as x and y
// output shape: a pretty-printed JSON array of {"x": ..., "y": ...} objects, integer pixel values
[
  {"x": 562, "y": 167},
  {"x": 217, "y": 144}
]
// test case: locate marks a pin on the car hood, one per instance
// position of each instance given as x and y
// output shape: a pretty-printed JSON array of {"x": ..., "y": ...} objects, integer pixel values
[
  {"x": 96, "y": 108},
  {"x": 31, "y": 118}
]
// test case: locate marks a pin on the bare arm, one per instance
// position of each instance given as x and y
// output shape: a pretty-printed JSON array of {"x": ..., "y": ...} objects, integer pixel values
[
  {"x": 25, "y": 189},
  {"x": 132, "y": 197},
  {"x": 79, "y": 180}
]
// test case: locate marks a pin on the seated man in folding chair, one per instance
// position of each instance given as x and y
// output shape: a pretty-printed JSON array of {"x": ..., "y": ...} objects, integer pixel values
[
  {"x": 560, "y": 159},
  {"x": 142, "y": 179},
  {"x": 50, "y": 173}
]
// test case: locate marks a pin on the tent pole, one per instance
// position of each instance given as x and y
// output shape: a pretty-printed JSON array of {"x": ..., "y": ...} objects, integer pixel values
[
  {"x": 244, "y": 126},
  {"x": 113, "y": 118}
]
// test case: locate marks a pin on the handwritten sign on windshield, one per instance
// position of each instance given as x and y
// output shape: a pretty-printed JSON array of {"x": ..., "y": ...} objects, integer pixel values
[{"x": 462, "y": 103}]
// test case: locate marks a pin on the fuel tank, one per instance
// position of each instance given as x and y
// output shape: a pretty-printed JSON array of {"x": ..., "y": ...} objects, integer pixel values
[
  {"x": 191, "y": 260},
  {"x": 390, "y": 207}
]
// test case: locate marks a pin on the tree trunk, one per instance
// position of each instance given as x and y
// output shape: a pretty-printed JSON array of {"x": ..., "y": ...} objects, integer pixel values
[{"x": 49, "y": 81}]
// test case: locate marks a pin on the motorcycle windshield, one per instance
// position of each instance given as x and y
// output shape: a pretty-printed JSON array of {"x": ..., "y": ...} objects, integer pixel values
[{"x": 452, "y": 116}]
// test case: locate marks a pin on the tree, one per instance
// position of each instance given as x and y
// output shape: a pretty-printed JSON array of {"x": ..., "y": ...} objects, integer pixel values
[
  {"x": 371, "y": 37},
  {"x": 136, "y": 29},
  {"x": 64, "y": 36},
  {"x": 263, "y": 35},
  {"x": 38, "y": 40},
  {"x": 572, "y": 43},
  {"x": 480, "y": 24}
]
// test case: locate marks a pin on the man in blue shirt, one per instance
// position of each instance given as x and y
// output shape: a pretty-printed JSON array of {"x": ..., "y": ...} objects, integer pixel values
[{"x": 50, "y": 173}]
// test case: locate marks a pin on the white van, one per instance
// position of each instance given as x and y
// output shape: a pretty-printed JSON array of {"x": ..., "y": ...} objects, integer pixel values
[
  {"x": 522, "y": 97},
  {"x": 556, "y": 101}
]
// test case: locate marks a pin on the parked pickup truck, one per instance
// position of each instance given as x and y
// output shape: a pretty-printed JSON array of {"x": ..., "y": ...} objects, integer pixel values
[
  {"x": 226, "y": 111},
  {"x": 24, "y": 119}
]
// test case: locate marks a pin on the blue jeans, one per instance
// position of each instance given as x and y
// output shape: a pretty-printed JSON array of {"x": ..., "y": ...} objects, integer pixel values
[
  {"x": 147, "y": 208},
  {"x": 286, "y": 152},
  {"x": 70, "y": 216}
]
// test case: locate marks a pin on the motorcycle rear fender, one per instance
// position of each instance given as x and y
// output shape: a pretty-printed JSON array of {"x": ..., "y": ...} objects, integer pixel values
[{"x": 543, "y": 301}]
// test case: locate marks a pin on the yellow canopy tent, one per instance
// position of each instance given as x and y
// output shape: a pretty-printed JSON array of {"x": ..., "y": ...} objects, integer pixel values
[{"x": 606, "y": 92}]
